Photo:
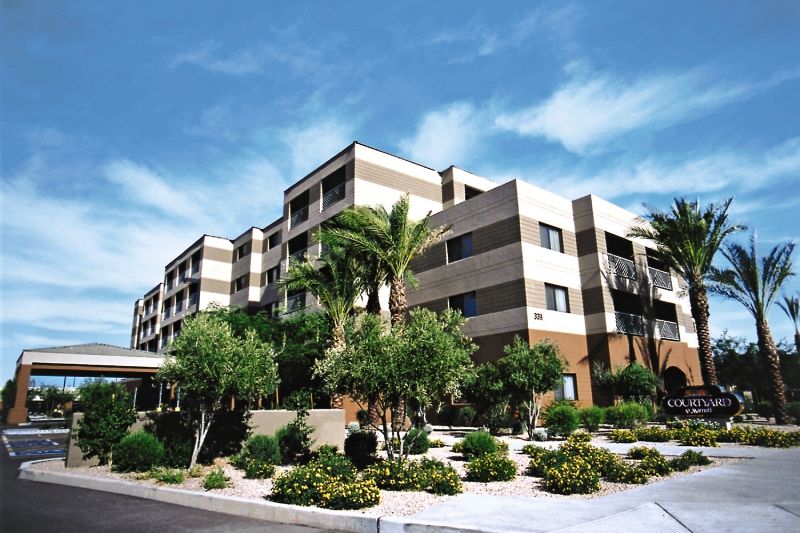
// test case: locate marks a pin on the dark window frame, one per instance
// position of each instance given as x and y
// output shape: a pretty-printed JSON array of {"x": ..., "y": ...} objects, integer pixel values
[
  {"x": 544, "y": 237},
  {"x": 461, "y": 247},
  {"x": 466, "y": 302},
  {"x": 550, "y": 297}
]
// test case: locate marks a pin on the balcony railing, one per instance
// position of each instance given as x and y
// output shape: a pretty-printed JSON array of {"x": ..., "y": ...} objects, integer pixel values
[
  {"x": 298, "y": 216},
  {"x": 621, "y": 266},
  {"x": 167, "y": 312},
  {"x": 668, "y": 330},
  {"x": 179, "y": 307},
  {"x": 299, "y": 255},
  {"x": 660, "y": 278},
  {"x": 295, "y": 303},
  {"x": 192, "y": 300},
  {"x": 332, "y": 196},
  {"x": 630, "y": 324}
]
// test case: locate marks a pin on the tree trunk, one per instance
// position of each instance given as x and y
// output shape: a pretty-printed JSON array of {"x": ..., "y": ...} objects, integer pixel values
[
  {"x": 373, "y": 300},
  {"x": 766, "y": 345},
  {"x": 200, "y": 435},
  {"x": 397, "y": 300},
  {"x": 337, "y": 345},
  {"x": 797, "y": 342},
  {"x": 698, "y": 299}
]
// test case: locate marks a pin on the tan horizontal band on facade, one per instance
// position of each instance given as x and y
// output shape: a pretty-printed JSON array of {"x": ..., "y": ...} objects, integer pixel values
[
  {"x": 393, "y": 179},
  {"x": 211, "y": 253},
  {"x": 215, "y": 286}
]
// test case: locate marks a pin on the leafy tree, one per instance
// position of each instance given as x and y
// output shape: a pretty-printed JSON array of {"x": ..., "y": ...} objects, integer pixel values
[
  {"x": 632, "y": 382},
  {"x": 755, "y": 282},
  {"x": 417, "y": 361},
  {"x": 390, "y": 239},
  {"x": 485, "y": 388},
  {"x": 688, "y": 237},
  {"x": 9, "y": 394},
  {"x": 791, "y": 306},
  {"x": 530, "y": 372},
  {"x": 107, "y": 414},
  {"x": 211, "y": 365},
  {"x": 54, "y": 397},
  {"x": 739, "y": 364}
]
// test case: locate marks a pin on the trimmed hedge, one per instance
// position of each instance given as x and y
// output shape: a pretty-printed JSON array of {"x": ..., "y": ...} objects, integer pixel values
[{"x": 138, "y": 452}]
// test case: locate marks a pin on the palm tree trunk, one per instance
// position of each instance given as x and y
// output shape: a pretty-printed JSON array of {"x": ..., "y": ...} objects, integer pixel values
[
  {"x": 373, "y": 301},
  {"x": 698, "y": 300},
  {"x": 397, "y": 300},
  {"x": 766, "y": 345},
  {"x": 337, "y": 344},
  {"x": 797, "y": 342}
]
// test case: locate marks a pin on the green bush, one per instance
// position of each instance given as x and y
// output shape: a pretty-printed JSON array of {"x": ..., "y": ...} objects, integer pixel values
[
  {"x": 216, "y": 479},
  {"x": 440, "y": 478},
  {"x": 580, "y": 437},
  {"x": 395, "y": 476},
  {"x": 542, "y": 460},
  {"x": 360, "y": 447},
  {"x": 562, "y": 419},
  {"x": 793, "y": 408},
  {"x": 765, "y": 409},
  {"x": 491, "y": 467},
  {"x": 436, "y": 443},
  {"x": 688, "y": 459},
  {"x": 622, "y": 436},
  {"x": 138, "y": 452},
  {"x": 174, "y": 430},
  {"x": 335, "y": 464},
  {"x": 575, "y": 476},
  {"x": 294, "y": 439},
  {"x": 417, "y": 441},
  {"x": 598, "y": 458},
  {"x": 465, "y": 416},
  {"x": 592, "y": 417},
  {"x": 654, "y": 434},
  {"x": 651, "y": 461},
  {"x": 107, "y": 416},
  {"x": 255, "y": 469},
  {"x": 769, "y": 438},
  {"x": 627, "y": 415},
  {"x": 697, "y": 437},
  {"x": 170, "y": 476},
  {"x": 312, "y": 484},
  {"x": 476, "y": 444},
  {"x": 620, "y": 472},
  {"x": 263, "y": 448}
]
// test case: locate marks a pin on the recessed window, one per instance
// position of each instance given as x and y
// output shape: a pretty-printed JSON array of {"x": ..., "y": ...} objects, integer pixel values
[
  {"x": 568, "y": 389},
  {"x": 273, "y": 274},
  {"x": 471, "y": 192},
  {"x": 465, "y": 303},
  {"x": 273, "y": 240},
  {"x": 242, "y": 251},
  {"x": 239, "y": 283},
  {"x": 551, "y": 238},
  {"x": 557, "y": 298},
  {"x": 459, "y": 248}
]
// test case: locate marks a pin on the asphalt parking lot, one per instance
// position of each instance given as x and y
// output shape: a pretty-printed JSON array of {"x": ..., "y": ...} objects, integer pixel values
[{"x": 32, "y": 443}]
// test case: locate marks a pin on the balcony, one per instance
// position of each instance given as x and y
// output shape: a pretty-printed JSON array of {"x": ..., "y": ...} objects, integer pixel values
[
  {"x": 660, "y": 278},
  {"x": 332, "y": 196},
  {"x": 167, "y": 313},
  {"x": 629, "y": 324},
  {"x": 621, "y": 267},
  {"x": 299, "y": 255},
  {"x": 179, "y": 306},
  {"x": 192, "y": 300},
  {"x": 295, "y": 303},
  {"x": 298, "y": 215},
  {"x": 668, "y": 330}
]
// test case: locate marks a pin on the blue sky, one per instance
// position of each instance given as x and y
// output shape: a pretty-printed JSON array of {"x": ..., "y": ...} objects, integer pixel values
[{"x": 130, "y": 128}]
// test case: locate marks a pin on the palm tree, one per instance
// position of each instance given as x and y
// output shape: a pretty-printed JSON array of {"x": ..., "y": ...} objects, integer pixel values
[
  {"x": 755, "y": 282},
  {"x": 791, "y": 306},
  {"x": 688, "y": 237},
  {"x": 390, "y": 241}
]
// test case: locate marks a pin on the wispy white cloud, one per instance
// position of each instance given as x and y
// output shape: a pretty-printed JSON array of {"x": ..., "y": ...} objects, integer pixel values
[
  {"x": 314, "y": 142},
  {"x": 445, "y": 136},
  {"x": 255, "y": 59}
]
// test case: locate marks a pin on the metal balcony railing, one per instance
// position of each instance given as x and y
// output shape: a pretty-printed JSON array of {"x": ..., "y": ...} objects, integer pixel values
[
  {"x": 298, "y": 216},
  {"x": 660, "y": 278},
  {"x": 629, "y": 324},
  {"x": 332, "y": 196},
  {"x": 295, "y": 303},
  {"x": 621, "y": 266},
  {"x": 668, "y": 330}
]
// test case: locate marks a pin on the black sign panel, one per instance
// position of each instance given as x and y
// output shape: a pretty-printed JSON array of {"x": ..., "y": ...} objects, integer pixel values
[{"x": 703, "y": 402}]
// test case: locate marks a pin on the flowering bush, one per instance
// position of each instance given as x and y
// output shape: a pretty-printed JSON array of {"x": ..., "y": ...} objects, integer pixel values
[
  {"x": 575, "y": 476},
  {"x": 429, "y": 475},
  {"x": 621, "y": 472},
  {"x": 622, "y": 436},
  {"x": 654, "y": 434},
  {"x": 491, "y": 467},
  {"x": 697, "y": 437},
  {"x": 761, "y": 437},
  {"x": 688, "y": 459},
  {"x": 580, "y": 437},
  {"x": 651, "y": 462},
  {"x": 255, "y": 469},
  {"x": 543, "y": 459},
  {"x": 598, "y": 458},
  {"x": 436, "y": 443},
  {"x": 440, "y": 478}
]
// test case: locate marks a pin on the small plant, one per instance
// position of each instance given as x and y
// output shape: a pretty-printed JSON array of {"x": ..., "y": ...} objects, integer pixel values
[
  {"x": 352, "y": 427},
  {"x": 579, "y": 437},
  {"x": 294, "y": 439},
  {"x": 416, "y": 441},
  {"x": 620, "y": 472},
  {"x": 440, "y": 478},
  {"x": 312, "y": 484},
  {"x": 688, "y": 459},
  {"x": 542, "y": 460},
  {"x": 622, "y": 436},
  {"x": 216, "y": 479},
  {"x": 651, "y": 462},
  {"x": 335, "y": 464},
  {"x": 428, "y": 428},
  {"x": 654, "y": 434},
  {"x": 562, "y": 419},
  {"x": 263, "y": 449},
  {"x": 627, "y": 415},
  {"x": 170, "y": 476},
  {"x": 539, "y": 435},
  {"x": 436, "y": 443},
  {"x": 697, "y": 437},
  {"x": 195, "y": 471},
  {"x": 640, "y": 452},
  {"x": 591, "y": 418},
  {"x": 491, "y": 467},
  {"x": 255, "y": 469},
  {"x": 575, "y": 476},
  {"x": 360, "y": 447},
  {"x": 476, "y": 444},
  {"x": 138, "y": 452}
]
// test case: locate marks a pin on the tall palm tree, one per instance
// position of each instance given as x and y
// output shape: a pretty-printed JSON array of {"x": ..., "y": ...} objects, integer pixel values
[
  {"x": 755, "y": 282},
  {"x": 791, "y": 306},
  {"x": 391, "y": 240},
  {"x": 688, "y": 237}
]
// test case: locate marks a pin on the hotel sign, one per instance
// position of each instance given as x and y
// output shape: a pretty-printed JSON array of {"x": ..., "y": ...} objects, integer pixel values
[{"x": 703, "y": 402}]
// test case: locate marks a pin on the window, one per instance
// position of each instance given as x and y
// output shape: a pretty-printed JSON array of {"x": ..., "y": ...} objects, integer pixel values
[
  {"x": 465, "y": 303},
  {"x": 273, "y": 240},
  {"x": 239, "y": 283},
  {"x": 273, "y": 274},
  {"x": 557, "y": 298},
  {"x": 568, "y": 389},
  {"x": 242, "y": 251},
  {"x": 459, "y": 248},
  {"x": 551, "y": 238},
  {"x": 471, "y": 192}
]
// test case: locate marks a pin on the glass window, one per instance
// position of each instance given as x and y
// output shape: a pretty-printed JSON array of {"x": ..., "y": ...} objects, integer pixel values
[
  {"x": 459, "y": 248},
  {"x": 466, "y": 303},
  {"x": 568, "y": 389},
  {"x": 239, "y": 283},
  {"x": 273, "y": 240},
  {"x": 471, "y": 192},
  {"x": 557, "y": 298},
  {"x": 242, "y": 251},
  {"x": 551, "y": 238}
]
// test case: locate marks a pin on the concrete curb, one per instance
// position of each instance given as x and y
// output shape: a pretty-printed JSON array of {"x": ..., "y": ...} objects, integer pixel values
[{"x": 262, "y": 510}]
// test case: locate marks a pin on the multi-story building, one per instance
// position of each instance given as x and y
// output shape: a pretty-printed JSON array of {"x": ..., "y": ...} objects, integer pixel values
[{"x": 518, "y": 260}]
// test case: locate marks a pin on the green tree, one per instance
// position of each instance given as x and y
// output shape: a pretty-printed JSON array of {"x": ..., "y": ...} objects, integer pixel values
[
  {"x": 530, "y": 372},
  {"x": 688, "y": 237},
  {"x": 55, "y": 397},
  {"x": 791, "y": 306},
  {"x": 417, "y": 361},
  {"x": 740, "y": 365},
  {"x": 390, "y": 239},
  {"x": 485, "y": 388},
  {"x": 632, "y": 382},
  {"x": 9, "y": 394},
  {"x": 755, "y": 282},
  {"x": 107, "y": 414},
  {"x": 211, "y": 365}
]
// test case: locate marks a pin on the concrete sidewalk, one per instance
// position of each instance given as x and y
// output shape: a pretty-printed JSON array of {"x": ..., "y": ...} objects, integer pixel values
[{"x": 758, "y": 494}]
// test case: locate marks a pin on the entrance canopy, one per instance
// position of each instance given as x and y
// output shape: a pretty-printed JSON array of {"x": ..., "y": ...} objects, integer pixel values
[{"x": 82, "y": 360}]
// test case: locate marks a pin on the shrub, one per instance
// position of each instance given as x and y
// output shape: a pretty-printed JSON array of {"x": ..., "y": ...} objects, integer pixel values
[
  {"x": 580, "y": 437},
  {"x": 465, "y": 416},
  {"x": 216, "y": 479},
  {"x": 138, "y": 452},
  {"x": 598, "y": 458},
  {"x": 440, "y": 478},
  {"x": 195, "y": 471},
  {"x": 651, "y": 462},
  {"x": 793, "y": 408},
  {"x": 352, "y": 427},
  {"x": 335, "y": 464},
  {"x": 697, "y": 437},
  {"x": 653, "y": 434},
  {"x": 263, "y": 448},
  {"x": 174, "y": 430},
  {"x": 542, "y": 460},
  {"x": 107, "y": 416},
  {"x": 255, "y": 469},
  {"x": 478, "y": 443},
  {"x": 640, "y": 452},
  {"x": 575, "y": 476},
  {"x": 417, "y": 441},
  {"x": 502, "y": 446},
  {"x": 620, "y": 472},
  {"x": 688, "y": 459},
  {"x": 294, "y": 439},
  {"x": 627, "y": 415},
  {"x": 436, "y": 443},
  {"x": 360, "y": 447},
  {"x": 591, "y": 418},
  {"x": 562, "y": 419},
  {"x": 458, "y": 446},
  {"x": 391, "y": 475},
  {"x": 491, "y": 467},
  {"x": 170, "y": 476},
  {"x": 428, "y": 428},
  {"x": 312, "y": 484},
  {"x": 622, "y": 436},
  {"x": 764, "y": 409},
  {"x": 763, "y": 437}
]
